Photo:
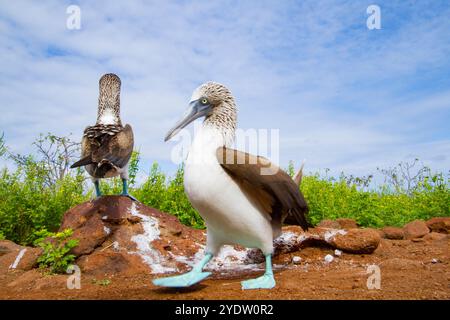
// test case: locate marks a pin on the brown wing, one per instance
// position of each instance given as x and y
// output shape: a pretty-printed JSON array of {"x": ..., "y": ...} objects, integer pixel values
[
  {"x": 272, "y": 189},
  {"x": 86, "y": 157},
  {"x": 113, "y": 144},
  {"x": 115, "y": 148}
]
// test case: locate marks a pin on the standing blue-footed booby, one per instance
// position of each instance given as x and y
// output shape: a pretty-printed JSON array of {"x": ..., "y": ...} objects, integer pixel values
[
  {"x": 240, "y": 202},
  {"x": 107, "y": 146}
]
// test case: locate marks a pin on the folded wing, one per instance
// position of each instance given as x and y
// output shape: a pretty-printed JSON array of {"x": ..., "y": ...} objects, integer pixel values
[
  {"x": 269, "y": 187},
  {"x": 106, "y": 144}
]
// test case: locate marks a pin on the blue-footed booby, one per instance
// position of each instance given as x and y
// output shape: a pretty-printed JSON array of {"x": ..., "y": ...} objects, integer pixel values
[
  {"x": 107, "y": 146},
  {"x": 240, "y": 202}
]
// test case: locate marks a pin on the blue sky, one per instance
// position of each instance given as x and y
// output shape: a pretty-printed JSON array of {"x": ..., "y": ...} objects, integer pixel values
[{"x": 343, "y": 97}]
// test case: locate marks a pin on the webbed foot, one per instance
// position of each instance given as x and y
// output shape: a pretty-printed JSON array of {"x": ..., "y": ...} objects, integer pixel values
[
  {"x": 183, "y": 280},
  {"x": 129, "y": 196},
  {"x": 266, "y": 281}
]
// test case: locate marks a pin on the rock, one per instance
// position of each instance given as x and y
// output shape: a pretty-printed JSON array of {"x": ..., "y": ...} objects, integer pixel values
[
  {"x": 296, "y": 259},
  {"x": 7, "y": 246},
  {"x": 439, "y": 224},
  {"x": 8, "y": 261},
  {"x": 288, "y": 241},
  {"x": 357, "y": 240},
  {"x": 393, "y": 233},
  {"x": 255, "y": 256},
  {"x": 381, "y": 233},
  {"x": 434, "y": 261},
  {"x": 18, "y": 257},
  {"x": 104, "y": 263},
  {"x": 328, "y": 258},
  {"x": 317, "y": 237},
  {"x": 112, "y": 209},
  {"x": 117, "y": 235},
  {"x": 346, "y": 223},
  {"x": 415, "y": 229},
  {"x": 91, "y": 235},
  {"x": 116, "y": 208},
  {"x": 337, "y": 253},
  {"x": 350, "y": 241},
  {"x": 329, "y": 224},
  {"x": 434, "y": 236},
  {"x": 340, "y": 223},
  {"x": 29, "y": 259}
]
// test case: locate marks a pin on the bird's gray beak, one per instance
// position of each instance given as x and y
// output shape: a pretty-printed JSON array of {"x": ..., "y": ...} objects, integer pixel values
[{"x": 195, "y": 111}]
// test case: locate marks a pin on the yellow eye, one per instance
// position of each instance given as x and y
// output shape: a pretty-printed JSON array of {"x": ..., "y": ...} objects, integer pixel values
[{"x": 204, "y": 101}]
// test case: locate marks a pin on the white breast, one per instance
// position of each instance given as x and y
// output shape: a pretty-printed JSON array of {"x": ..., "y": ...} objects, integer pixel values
[
  {"x": 108, "y": 117},
  {"x": 230, "y": 216}
]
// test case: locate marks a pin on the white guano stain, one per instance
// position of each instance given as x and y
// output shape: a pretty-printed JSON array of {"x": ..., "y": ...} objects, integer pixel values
[
  {"x": 151, "y": 256},
  {"x": 228, "y": 259},
  {"x": 329, "y": 235},
  {"x": 18, "y": 258}
]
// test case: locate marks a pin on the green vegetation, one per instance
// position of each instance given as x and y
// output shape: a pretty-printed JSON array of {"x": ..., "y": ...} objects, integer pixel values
[
  {"x": 331, "y": 199},
  {"x": 40, "y": 188},
  {"x": 103, "y": 282},
  {"x": 56, "y": 247},
  {"x": 31, "y": 200}
]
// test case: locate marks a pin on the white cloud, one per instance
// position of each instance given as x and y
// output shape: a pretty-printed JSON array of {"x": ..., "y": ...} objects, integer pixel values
[{"x": 342, "y": 96}]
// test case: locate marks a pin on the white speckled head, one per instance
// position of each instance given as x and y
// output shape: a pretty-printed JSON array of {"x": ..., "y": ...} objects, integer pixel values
[
  {"x": 215, "y": 92},
  {"x": 215, "y": 102}
]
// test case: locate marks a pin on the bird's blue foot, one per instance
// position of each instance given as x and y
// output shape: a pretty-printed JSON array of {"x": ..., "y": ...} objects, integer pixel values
[
  {"x": 129, "y": 196},
  {"x": 188, "y": 279},
  {"x": 125, "y": 190},
  {"x": 182, "y": 281},
  {"x": 264, "y": 282}
]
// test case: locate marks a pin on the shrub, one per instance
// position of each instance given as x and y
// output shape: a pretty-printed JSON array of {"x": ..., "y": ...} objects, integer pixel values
[
  {"x": 27, "y": 205},
  {"x": 330, "y": 199},
  {"x": 56, "y": 248}
]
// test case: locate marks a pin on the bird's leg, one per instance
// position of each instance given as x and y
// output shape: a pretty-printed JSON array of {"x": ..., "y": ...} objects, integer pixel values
[
  {"x": 97, "y": 188},
  {"x": 188, "y": 279},
  {"x": 266, "y": 281},
  {"x": 125, "y": 189}
]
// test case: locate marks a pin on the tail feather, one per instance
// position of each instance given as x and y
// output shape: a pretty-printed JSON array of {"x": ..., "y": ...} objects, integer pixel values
[
  {"x": 83, "y": 162},
  {"x": 298, "y": 177}
]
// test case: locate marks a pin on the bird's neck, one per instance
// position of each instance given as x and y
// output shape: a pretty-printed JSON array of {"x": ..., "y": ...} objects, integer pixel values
[
  {"x": 222, "y": 122},
  {"x": 109, "y": 114},
  {"x": 204, "y": 145},
  {"x": 217, "y": 130},
  {"x": 109, "y": 105}
]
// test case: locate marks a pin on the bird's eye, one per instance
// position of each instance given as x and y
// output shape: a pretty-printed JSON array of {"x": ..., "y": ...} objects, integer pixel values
[{"x": 204, "y": 101}]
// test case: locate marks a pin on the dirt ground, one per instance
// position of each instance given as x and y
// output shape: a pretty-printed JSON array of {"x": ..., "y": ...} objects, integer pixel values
[{"x": 409, "y": 270}]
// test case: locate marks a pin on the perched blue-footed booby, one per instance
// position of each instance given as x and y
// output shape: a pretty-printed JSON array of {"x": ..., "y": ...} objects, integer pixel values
[
  {"x": 239, "y": 202},
  {"x": 107, "y": 146}
]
